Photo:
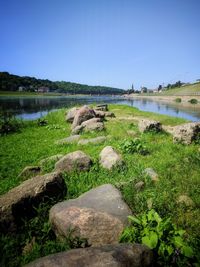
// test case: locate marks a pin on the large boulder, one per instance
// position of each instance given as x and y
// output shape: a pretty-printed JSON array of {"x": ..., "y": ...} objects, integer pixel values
[
  {"x": 83, "y": 114},
  {"x": 146, "y": 125},
  {"x": 110, "y": 158},
  {"x": 68, "y": 140},
  {"x": 120, "y": 255},
  {"x": 71, "y": 114},
  {"x": 75, "y": 161},
  {"x": 99, "y": 215},
  {"x": 96, "y": 140},
  {"x": 186, "y": 133},
  {"x": 93, "y": 124},
  {"x": 18, "y": 203}
]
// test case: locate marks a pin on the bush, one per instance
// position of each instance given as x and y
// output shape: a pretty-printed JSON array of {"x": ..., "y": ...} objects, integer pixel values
[
  {"x": 178, "y": 100},
  {"x": 193, "y": 101},
  {"x": 9, "y": 124},
  {"x": 168, "y": 243},
  {"x": 133, "y": 146}
]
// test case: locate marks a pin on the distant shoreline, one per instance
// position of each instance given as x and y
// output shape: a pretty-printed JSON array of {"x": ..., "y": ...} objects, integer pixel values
[
  {"x": 36, "y": 94},
  {"x": 168, "y": 99}
]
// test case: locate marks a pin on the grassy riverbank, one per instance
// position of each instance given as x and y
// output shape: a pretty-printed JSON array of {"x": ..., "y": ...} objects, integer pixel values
[{"x": 177, "y": 167}]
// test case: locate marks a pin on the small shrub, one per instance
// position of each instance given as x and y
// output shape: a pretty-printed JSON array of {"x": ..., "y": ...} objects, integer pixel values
[
  {"x": 161, "y": 235},
  {"x": 9, "y": 124},
  {"x": 178, "y": 100},
  {"x": 133, "y": 146},
  {"x": 193, "y": 101},
  {"x": 42, "y": 122}
]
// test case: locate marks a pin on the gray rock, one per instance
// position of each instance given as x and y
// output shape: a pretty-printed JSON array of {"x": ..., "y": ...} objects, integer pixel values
[
  {"x": 109, "y": 158},
  {"x": 185, "y": 200},
  {"x": 69, "y": 140},
  {"x": 99, "y": 114},
  {"x": 186, "y": 133},
  {"x": 75, "y": 161},
  {"x": 71, "y": 114},
  {"x": 52, "y": 158},
  {"x": 146, "y": 125},
  {"x": 99, "y": 215},
  {"x": 91, "y": 126},
  {"x": 19, "y": 201},
  {"x": 120, "y": 255},
  {"x": 83, "y": 114},
  {"x": 77, "y": 130},
  {"x": 109, "y": 114},
  {"x": 152, "y": 174},
  {"x": 97, "y": 140},
  {"x": 29, "y": 171},
  {"x": 139, "y": 185},
  {"x": 102, "y": 107}
]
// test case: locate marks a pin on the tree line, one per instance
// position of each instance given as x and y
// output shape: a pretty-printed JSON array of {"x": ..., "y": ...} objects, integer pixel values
[{"x": 10, "y": 82}]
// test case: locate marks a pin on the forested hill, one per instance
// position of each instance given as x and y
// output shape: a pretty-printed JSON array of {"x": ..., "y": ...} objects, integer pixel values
[{"x": 9, "y": 82}]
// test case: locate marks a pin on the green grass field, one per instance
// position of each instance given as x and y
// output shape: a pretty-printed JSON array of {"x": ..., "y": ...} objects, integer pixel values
[
  {"x": 177, "y": 166},
  {"x": 192, "y": 89}
]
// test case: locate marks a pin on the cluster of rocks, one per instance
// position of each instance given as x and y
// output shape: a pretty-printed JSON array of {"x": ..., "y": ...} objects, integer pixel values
[
  {"x": 185, "y": 133},
  {"x": 87, "y": 119},
  {"x": 98, "y": 215}
]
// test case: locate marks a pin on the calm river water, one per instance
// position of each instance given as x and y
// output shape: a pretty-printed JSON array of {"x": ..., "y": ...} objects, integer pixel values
[{"x": 30, "y": 108}]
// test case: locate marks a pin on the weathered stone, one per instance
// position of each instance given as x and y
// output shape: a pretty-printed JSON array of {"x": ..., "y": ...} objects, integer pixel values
[
  {"x": 19, "y": 201},
  {"x": 75, "y": 161},
  {"x": 94, "y": 124},
  {"x": 186, "y": 133},
  {"x": 146, "y": 125},
  {"x": 109, "y": 158},
  {"x": 83, "y": 114},
  {"x": 152, "y": 174},
  {"x": 30, "y": 171},
  {"x": 52, "y": 158},
  {"x": 69, "y": 140},
  {"x": 139, "y": 185},
  {"x": 120, "y": 255},
  {"x": 91, "y": 121},
  {"x": 78, "y": 129},
  {"x": 98, "y": 215},
  {"x": 99, "y": 114},
  {"x": 109, "y": 114},
  {"x": 185, "y": 200},
  {"x": 71, "y": 114},
  {"x": 102, "y": 107},
  {"x": 97, "y": 140}
]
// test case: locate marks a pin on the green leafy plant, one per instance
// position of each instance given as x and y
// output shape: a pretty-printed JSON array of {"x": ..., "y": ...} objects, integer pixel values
[
  {"x": 9, "y": 124},
  {"x": 133, "y": 146},
  {"x": 193, "y": 101},
  {"x": 161, "y": 235}
]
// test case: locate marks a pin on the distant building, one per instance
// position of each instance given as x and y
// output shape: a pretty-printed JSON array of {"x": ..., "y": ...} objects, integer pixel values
[{"x": 43, "y": 89}]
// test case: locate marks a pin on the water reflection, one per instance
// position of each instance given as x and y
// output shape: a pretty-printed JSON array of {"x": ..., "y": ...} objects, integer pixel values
[{"x": 36, "y": 107}]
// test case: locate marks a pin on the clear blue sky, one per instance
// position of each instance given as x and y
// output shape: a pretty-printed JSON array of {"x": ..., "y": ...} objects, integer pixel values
[{"x": 102, "y": 42}]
